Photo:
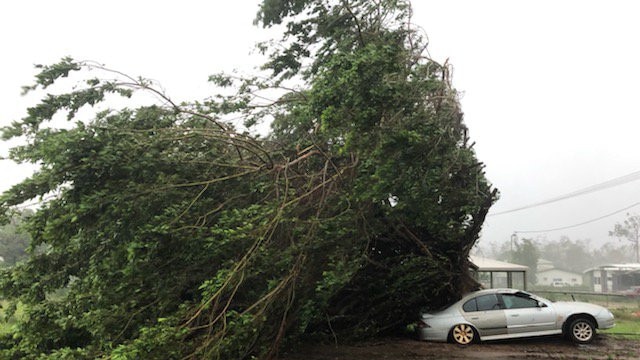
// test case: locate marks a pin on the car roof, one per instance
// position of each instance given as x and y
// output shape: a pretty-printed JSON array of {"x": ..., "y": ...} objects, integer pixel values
[
  {"x": 496, "y": 291},
  {"x": 473, "y": 294},
  {"x": 493, "y": 291}
]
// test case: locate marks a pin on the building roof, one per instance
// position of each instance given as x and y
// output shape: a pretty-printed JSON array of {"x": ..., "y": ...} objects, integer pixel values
[
  {"x": 632, "y": 267},
  {"x": 544, "y": 265},
  {"x": 485, "y": 264}
]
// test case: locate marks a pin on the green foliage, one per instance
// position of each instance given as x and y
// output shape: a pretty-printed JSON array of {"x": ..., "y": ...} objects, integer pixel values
[
  {"x": 172, "y": 235},
  {"x": 526, "y": 252}
]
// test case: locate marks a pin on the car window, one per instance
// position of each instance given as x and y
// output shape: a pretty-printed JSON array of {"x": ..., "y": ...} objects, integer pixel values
[
  {"x": 470, "y": 305},
  {"x": 518, "y": 301},
  {"x": 488, "y": 302}
]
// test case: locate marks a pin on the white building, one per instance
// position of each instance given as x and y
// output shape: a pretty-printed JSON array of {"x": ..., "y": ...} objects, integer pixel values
[
  {"x": 557, "y": 277},
  {"x": 548, "y": 275}
]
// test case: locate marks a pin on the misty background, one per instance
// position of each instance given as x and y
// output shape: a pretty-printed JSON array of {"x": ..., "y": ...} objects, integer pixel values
[{"x": 549, "y": 89}]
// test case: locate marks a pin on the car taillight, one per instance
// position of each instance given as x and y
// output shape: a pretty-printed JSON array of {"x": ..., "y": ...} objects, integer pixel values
[{"x": 421, "y": 324}]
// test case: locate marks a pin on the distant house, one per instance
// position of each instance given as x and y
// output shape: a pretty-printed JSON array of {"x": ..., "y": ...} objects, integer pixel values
[
  {"x": 549, "y": 275},
  {"x": 613, "y": 277},
  {"x": 492, "y": 273},
  {"x": 557, "y": 277}
]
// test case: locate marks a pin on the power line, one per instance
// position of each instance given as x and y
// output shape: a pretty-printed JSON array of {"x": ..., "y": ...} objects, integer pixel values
[
  {"x": 593, "y": 188},
  {"x": 580, "y": 224}
]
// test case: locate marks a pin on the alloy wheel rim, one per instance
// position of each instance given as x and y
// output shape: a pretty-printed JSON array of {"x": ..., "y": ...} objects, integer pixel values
[
  {"x": 582, "y": 331},
  {"x": 463, "y": 334}
]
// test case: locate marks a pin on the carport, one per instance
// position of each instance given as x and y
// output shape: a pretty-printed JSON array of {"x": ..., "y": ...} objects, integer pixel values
[{"x": 492, "y": 273}]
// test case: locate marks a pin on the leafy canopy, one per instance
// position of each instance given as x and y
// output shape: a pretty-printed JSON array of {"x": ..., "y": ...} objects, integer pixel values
[{"x": 171, "y": 234}]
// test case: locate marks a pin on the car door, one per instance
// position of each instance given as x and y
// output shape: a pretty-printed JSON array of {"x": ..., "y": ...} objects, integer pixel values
[
  {"x": 546, "y": 317},
  {"x": 525, "y": 314},
  {"x": 485, "y": 313}
]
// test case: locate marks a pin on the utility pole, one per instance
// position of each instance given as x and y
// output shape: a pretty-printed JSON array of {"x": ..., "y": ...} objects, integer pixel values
[{"x": 514, "y": 238}]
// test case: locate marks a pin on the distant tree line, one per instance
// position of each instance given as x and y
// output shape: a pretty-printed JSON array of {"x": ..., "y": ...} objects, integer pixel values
[
  {"x": 629, "y": 230},
  {"x": 565, "y": 253},
  {"x": 14, "y": 241}
]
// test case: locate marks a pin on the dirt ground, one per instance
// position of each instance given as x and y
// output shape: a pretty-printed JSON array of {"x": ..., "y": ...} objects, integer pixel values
[{"x": 603, "y": 347}]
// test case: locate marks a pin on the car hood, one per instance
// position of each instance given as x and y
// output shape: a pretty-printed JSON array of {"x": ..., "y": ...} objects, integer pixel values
[{"x": 573, "y": 307}]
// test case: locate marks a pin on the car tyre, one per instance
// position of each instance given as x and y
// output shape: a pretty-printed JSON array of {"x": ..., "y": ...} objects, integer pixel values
[
  {"x": 463, "y": 334},
  {"x": 581, "y": 330}
]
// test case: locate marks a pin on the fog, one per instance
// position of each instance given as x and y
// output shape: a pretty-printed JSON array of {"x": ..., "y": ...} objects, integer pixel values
[{"x": 549, "y": 89}]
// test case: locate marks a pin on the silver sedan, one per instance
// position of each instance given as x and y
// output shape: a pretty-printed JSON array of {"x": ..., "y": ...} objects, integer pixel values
[{"x": 494, "y": 314}]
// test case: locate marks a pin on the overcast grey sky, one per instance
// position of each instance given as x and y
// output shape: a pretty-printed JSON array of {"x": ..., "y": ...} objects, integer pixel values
[
  {"x": 549, "y": 88},
  {"x": 550, "y": 94}
]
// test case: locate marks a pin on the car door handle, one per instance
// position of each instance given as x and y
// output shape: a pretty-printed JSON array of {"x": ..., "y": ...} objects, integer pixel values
[
  {"x": 475, "y": 318},
  {"x": 515, "y": 315}
]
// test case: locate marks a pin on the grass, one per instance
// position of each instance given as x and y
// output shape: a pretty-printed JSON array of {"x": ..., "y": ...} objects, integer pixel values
[{"x": 627, "y": 323}]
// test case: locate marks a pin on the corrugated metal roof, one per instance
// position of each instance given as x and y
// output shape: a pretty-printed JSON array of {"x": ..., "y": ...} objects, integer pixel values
[
  {"x": 616, "y": 267},
  {"x": 486, "y": 264}
]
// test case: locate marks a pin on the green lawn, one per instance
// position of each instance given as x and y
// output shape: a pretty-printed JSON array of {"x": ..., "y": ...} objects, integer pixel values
[{"x": 627, "y": 324}]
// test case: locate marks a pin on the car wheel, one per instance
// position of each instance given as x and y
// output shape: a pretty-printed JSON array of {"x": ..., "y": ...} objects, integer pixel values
[
  {"x": 582, "y": 330},
  {"x": 463, "y": 334}
]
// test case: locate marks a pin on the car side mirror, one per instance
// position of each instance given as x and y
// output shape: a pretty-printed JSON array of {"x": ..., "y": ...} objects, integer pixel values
[{"x": 541, "y": 304}]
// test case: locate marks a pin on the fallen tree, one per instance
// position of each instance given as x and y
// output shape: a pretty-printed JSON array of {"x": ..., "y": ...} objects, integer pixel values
[{"x": 168, "y": 233}]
